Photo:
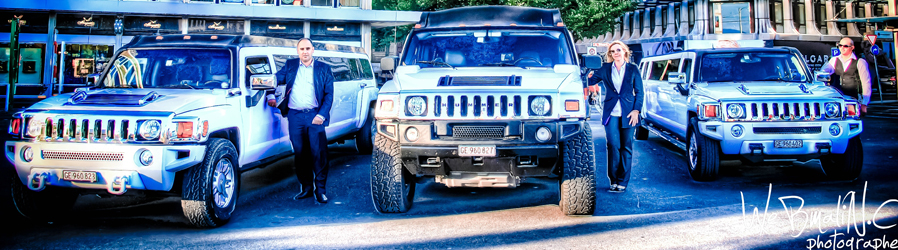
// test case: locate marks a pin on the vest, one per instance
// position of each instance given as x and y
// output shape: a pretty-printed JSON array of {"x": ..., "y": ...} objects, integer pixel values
[{"x": 849, "y": 81}]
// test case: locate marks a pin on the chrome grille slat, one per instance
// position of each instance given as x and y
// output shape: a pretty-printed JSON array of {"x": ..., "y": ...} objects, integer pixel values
[
  {"x": 85, "y": 156},
  {"x": 475, "y": 106},
  {"x": 788, "y": 130},
  {"x": 779, "y": 110},
  {"x": 478, "y": 131}
]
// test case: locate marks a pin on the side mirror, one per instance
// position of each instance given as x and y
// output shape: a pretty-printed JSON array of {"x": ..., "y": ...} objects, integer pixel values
[
  {"x": 387, "y": 64},
  {"x": 822, "y": 76},
  {"x": 592, "y": 62},
  {"x": 676, "y": 78},
  {"x": 92, "y": 79},
  {"x": 263, "y": 82}
]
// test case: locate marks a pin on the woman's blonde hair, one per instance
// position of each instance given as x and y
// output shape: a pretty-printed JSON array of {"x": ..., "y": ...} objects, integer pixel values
[{"x": 623, "y": 46}]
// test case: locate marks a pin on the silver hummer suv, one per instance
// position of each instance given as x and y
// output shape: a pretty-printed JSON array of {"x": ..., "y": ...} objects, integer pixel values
[
  {"x": 179, "y": 115},
  {"x": 483, "y": 97},
  {"x": 751, "y": 104}
]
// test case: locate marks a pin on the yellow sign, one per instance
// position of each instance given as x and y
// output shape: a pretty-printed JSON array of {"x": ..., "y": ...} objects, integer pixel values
[
  {"x": 276, "y": 27},
  {"x": 86, "y": 22},
  {"x": 152, "y": 25},
  {"x": 335, "y": 28},
  {"x": 216, "y": 26}
]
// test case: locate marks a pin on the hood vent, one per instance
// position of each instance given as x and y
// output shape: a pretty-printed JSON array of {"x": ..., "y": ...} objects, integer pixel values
[
  {"x": 775, "y": 90},
  {"x": 480, "y": 81},
  {"x": 82, "y": 98}
]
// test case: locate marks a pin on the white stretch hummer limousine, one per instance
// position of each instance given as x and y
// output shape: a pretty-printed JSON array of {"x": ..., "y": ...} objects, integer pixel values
[
  {"x": 178, "y": 115},
  {"x": 483, "y": 97},
  {"x": 752, "y": 104}
]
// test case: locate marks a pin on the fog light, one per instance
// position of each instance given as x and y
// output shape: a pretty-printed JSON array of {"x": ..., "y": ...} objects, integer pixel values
[
  {"x": 835, "y": 129},
  {"x": 411, "y": 134},
  {"x": 543, "y": 134},
  {"x": 27, "y": 154},
  {"x": 145, "y": 157},
  {"x": 737, "y": 130}
]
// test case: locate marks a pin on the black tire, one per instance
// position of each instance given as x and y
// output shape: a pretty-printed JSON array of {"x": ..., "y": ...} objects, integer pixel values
[
  {"x": 364, "y": 139},
  {"x": 392, "y": 186},
  {"x": 642, "y": 133},
  {"x": 845, "y": 166},
  {"x": 578, "y": 181},
  {"x": 207, "y": 199},
  {"x": 702, "y": 155},
  {"x": 50, "y": 204}
]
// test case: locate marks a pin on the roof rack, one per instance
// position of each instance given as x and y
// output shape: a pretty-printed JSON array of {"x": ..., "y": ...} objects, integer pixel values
[
  {"x": 491, "y": 16},
  {"x": 208, "y": 40}
]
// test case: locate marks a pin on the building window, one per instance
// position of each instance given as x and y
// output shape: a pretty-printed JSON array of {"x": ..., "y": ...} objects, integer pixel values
[
  {"x": 776, "y": 15},
  {"x": 324, "y": 3},
  {"x": 691, "y": 15},
  {"x": 31, "y": 63},
  {"x": 290, "y": 2},
  {"x": 859, "y": 13},
  {"x": 677, "y": 17},
  {"x": 651, "y": 24},
  {"x": 841, "y": 14},
  {"x": 731, "y": 17},
  {"x": 349, "y": 3},
  {"x": 664, "y": 18},
  {"x": 798, "y": 16},
  {"x": 82, "y": 60},
  {"x": 820, "y": 16}
]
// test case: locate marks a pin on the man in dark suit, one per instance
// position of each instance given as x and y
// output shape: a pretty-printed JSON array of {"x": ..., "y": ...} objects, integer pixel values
[{"x": 307, "y": 105}]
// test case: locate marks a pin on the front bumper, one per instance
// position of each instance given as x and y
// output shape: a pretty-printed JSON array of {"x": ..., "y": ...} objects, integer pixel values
[
  {"x": 108, "y": 161},
  {"x": 754, "y": 144},
  {"x": 519, "y": 153}
]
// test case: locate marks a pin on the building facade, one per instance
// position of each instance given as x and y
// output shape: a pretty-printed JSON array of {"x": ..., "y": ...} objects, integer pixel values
[
  {"x": 660, "y": 26},
  {"x": 66, "y": 40}
]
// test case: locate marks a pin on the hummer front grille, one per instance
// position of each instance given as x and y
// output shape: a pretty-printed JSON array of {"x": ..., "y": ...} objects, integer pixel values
[
  {"x": 87, "y": 130},
  {"x": 478, "y": 132},
  {"x": 787, "y": 130},
  {"x": 779, "y": 111},
  {"x": 478, "y": 107},
  {"x": 85, "y": 156}
]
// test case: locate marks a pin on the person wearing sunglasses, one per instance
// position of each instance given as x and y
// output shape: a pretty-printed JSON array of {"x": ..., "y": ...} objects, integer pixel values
[
  {"x": 852, "y": 74},
  {"x": 620, "y": 112}
]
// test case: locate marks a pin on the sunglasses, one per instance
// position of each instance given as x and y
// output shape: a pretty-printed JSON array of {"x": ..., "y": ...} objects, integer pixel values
[
  {"x": 616, "y": 51},
  {"x": 844, "y": 45}
]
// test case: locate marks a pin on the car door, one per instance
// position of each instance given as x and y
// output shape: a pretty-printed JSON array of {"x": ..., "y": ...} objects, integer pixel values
[
  {"x": 679, "y": 101},
  {"x": 343, "y": 109},
  {"x": 262, "y": 128}
]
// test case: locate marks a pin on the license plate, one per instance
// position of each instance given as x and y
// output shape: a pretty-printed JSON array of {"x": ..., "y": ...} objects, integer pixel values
[
  {"x": 79, "y": 176},
  {"x": 788, "y": 143},
  {"x": 477, "y": 150}
]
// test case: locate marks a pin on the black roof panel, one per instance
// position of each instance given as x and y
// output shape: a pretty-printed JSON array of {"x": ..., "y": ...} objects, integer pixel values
[{"x": 492, "y": 15}]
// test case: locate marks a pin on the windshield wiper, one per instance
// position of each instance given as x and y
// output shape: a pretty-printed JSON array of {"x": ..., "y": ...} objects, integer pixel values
[
  {"x": 441, "y": 63},
  {"x": 503, "y": 64}
]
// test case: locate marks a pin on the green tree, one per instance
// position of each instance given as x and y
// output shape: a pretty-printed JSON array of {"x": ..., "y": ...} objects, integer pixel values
[{"x": 584, "y": 18}]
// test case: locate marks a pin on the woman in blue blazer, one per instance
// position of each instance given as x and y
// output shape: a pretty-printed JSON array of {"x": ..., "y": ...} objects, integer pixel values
[{"x": 620, "y": 114}]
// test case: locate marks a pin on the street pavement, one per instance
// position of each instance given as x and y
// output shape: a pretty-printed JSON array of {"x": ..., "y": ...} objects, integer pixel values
[{"x": 663, "y": 208}]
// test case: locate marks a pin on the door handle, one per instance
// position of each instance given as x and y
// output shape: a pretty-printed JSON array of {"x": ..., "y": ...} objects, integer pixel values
[{"x": 363, "y": 85}]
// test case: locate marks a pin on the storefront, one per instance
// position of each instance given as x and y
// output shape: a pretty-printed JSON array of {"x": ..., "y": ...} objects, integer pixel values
[
  {"x": 338, "y": 33},
  {"x": 89, "y": 41},
  {"x": 31, "y": 49},
  {"x": 277, "y": 28}
]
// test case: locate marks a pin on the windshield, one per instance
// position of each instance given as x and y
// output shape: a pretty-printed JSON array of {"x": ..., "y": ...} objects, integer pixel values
[
  {"x": 170, "y": 68},
  {"x": 488, "y": 48},
  {"x": 752, "y": 66}
]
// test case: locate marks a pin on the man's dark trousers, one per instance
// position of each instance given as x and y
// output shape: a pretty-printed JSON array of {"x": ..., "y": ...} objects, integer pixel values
[
  {"x": 313, "y": 139},
  {"x": 620, "y": 150}
]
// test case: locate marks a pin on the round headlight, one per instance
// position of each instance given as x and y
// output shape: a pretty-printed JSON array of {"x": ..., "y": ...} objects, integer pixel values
[
  {"x": 736, "y": 111},
  {"x": 34, "y": 127},
  {"x": 416, "y": 105},
  {"x": 145, "y": 157},
  {"x": 411, "y": 134},
  {"x": 835, "y": 129},
  {"x": 543, "y": 134},
  {"x": 540, "y": 106},
  {"x": 737, "y": 130},
  {"x": 831, "y": 109},
  {"x": 150, "y": 129},
  {"x": 27, "y": 154}
]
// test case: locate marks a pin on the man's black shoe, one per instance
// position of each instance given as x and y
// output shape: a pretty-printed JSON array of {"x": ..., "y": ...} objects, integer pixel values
[
  {"x": 306, "y": 193},
  {"x": 321, "y": 198}
]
